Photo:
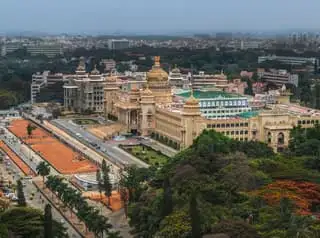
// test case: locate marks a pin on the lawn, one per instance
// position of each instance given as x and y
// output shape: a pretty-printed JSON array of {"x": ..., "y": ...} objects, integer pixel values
[
  {"x": 147, "y": 154},
  {"x": 85, "y": 121}
]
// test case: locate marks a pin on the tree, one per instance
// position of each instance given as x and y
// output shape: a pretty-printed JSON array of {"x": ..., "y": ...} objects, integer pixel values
[
  {"x": 248, "y": 90},
  {"x": 29, "y": 222},
  {"x": 237, "y": 229},
  {"x": 20, "y": 194},
  {"x": 30, "y": 128},
  {"x": 48, "y": 222},
  {"x": 107, "y": 186},
  {"x": 195, "y": 217},
  {"x": 316, "y": 96},
  {"x": 43, "y": 169},
  {"x": 167, "y": 198},
  {"x": 99, "y": 181}
]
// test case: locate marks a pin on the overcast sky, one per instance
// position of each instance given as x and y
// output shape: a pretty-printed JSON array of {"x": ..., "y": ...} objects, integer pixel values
[{"x": 150, "y": 16}]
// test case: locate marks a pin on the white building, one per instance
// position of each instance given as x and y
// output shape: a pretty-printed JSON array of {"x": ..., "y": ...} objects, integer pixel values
[{"x": 278, "y": 77}]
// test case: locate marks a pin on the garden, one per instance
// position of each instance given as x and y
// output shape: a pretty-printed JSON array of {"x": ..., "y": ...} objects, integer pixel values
[
  {"x": 85, "y": 121},
  {"x": 146, "y": 154}
]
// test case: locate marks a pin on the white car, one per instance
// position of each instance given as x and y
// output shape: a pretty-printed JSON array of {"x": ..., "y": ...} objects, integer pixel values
[{"x": 14, "y": 198}]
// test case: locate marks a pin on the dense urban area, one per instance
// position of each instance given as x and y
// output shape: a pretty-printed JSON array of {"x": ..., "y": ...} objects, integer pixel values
[{"x": 213, "y": 136}]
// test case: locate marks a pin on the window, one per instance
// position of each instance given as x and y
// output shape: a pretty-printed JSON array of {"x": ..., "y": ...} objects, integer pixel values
[{"x": 280, "y": 138}]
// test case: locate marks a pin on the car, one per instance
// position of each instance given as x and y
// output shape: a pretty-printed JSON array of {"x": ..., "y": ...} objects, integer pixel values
[
  {"x": 10, "y": 195},
  {"x": 14, "y": 198}
]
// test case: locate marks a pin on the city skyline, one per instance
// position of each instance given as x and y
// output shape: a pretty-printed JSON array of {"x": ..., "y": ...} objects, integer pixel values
[{"x": 165, "y": 17}]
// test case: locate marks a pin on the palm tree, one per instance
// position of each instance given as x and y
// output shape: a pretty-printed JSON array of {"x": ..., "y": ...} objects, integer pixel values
[{"x": 43, "y": 169}]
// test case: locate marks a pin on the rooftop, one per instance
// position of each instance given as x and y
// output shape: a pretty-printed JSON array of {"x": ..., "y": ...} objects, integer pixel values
[
  {"x": 247, "y": 115},
  {"x": 198, "y": 94}
]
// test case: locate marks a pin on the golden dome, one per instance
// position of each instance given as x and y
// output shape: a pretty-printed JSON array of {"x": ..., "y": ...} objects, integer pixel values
[
  {"x": 157, "y": 73},
  {"x": 192, "y": 100}
]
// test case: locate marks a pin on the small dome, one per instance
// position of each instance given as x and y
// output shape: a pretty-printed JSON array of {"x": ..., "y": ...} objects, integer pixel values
[
  {"x": 192, "y": 100},
  {"x": 157, "y": 73},
  {"x": 176, "y": 70},
  {"x": 95, "y": 71}
]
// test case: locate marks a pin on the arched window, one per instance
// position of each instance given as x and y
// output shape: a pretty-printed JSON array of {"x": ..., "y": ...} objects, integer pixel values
[
  {"x": 269, "y": 137},
  {"x": 280, "y": 138}
]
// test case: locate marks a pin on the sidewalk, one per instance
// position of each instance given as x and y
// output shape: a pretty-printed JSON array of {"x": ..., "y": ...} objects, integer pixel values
[
  {"x": 66, "y": 212},
  {"x": 166, "y": 150}
]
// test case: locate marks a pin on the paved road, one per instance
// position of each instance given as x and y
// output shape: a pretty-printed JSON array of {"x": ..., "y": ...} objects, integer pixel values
[{"x": 110, "y": 150}]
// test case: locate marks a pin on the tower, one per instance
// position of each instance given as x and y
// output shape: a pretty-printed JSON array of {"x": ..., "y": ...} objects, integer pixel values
[
  {"x": 147, "y": 104},
  {"x": 158, "y": 83},
  {"x": 190, "y": 114}
]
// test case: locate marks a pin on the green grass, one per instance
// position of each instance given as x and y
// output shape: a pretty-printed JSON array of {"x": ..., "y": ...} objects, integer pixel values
[
  {"x": 147, "y": 155},
  {"x": 85, "y": 121}
]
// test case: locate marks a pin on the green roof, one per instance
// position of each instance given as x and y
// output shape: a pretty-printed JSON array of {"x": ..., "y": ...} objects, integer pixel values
[
  {"x": 247, "y": 115},
  {"x": 208, "y": 94}
]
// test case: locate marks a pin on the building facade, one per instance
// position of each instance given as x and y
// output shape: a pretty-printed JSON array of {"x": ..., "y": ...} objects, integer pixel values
[
  {"x": 218, "y": 104},
  {"x": 278, "y": 77},
  {"x": 118, "y": 44},
  {"x": 202, "y": 80},
  {"x": 177, "y": 79},
  {"x": 47, "y": 87},
  {"x": 151, "y": 111},
  {"x": 84, "y": 91}
]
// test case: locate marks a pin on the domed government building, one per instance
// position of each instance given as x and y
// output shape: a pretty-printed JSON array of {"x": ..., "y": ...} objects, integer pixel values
[{"x": 151, "y": 110}]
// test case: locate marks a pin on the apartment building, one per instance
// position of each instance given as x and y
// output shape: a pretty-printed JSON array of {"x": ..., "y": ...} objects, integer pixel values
[
  {"x": 47, "y": 87},
  {"x": 49, "y": 50},
  {"x": 118, "y": 44},
  {"x": 297, "y": 61}
]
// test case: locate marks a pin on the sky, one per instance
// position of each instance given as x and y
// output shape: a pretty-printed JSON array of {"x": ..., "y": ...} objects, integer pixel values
[{"x": 157, "y": 17}]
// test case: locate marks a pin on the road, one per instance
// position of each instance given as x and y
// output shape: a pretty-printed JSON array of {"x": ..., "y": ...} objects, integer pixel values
[{"x": 112, "y": 151}]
